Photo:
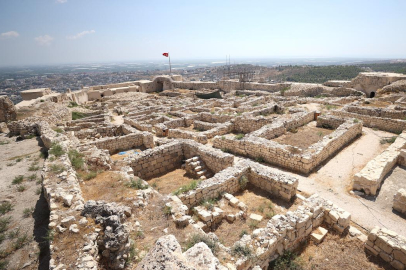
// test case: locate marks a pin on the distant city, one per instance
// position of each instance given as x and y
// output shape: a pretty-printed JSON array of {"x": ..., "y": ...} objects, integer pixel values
[{"x": 60, "y": 78}]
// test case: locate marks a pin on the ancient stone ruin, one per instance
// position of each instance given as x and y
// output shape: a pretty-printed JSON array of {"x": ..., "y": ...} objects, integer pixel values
[{"x": 147, "y": 175}]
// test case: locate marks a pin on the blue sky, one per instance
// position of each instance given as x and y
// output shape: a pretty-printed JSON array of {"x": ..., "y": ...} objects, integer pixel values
[{"x": 83, "y": 31}]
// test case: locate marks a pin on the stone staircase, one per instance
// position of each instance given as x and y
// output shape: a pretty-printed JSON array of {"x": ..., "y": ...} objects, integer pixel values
[{"x": 195, "y": 167}]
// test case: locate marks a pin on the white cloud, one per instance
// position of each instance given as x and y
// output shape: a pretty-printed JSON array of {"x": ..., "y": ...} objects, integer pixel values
[
  {"x": 44, "y": 40},
  {"x": 10, "y": 34},
  {"x": 61, "y": 1},
  {"x": 81, "y": 34}
]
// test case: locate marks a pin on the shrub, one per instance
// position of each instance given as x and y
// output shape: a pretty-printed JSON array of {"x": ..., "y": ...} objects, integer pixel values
[
  {"x": 76, "y": 159},
  {"x": 239, "y": 136},
  {"x": 293, "y": 130},
  {"x": 38, "y": 191},
  {"x": 185, "y": 188},
  {"x": 3, "y": 265},
  {"x": 58, "y": 130},
  {"x": 56, "y": 150},
  {"x": 356, "y": 121},
  {"x": 388, "y": 140},
  {"x": 56, "y": 168},
  {"x": 197, "y": 238},
  {"x": 243, "y": 181},
  {"x": 21, "y": 241},
  {"x": 136, "y": 184},
  {"x": 90, "y": 175},
  {"x": 28, "y": 212},
  {"x": 330, "y": 107},
  {"x": 32, "y": 177},
  {"x": 33, "y": 167},
  {"x": 72, "y": 104},
  {"x": 167, "y": 210},
  {"x": 225, "y": 150},
  {"x": 288, "y": 261},
  {"x": 320, "y": 134},
  {"x": 259, "y": 159},
  {"x": 17, "y": 180},
  {"x": 208, "y": 203},
  {"x": 240, "y": 250},
  {"x": 78, "y": 115},
  {"x": 253, "y": 225},
  {"x": 21, "y": 188},
  {"x": 243, "y": 232},
  {"x": 4, "y": 224}
]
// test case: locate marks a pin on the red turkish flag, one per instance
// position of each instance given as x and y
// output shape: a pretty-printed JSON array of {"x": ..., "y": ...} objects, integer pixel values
[{"x": 165, "y": 54}]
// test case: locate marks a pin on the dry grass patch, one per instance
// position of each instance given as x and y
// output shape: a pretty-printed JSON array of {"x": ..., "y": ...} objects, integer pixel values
[
  {"x": 337, "y": 252},
  {"x": 170, "y": 182},
  {"x": 304, "y": 136}
]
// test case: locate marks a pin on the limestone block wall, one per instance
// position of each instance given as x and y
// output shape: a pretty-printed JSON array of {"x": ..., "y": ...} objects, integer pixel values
[
  {"x": 214, "y": 159},
  {"x": 157, "y": 161},
  {"x": 227, "y": 180},
  {"x": 388, "y": 245},
  {"x": 115, "y": 144},
  {"x": 284, "y": 156},
  {"x": 214, "y": 118},
  {"x": 370, "y": 177},
  {"x": 377, "y": 112},
  {"x": 387, "y": 124},
  {"x": 329, "y": 122},
  {"x": 200, "y": 125},
  {"x": 108, "y": 131},
  {"x": 186, "y": 134},
  {"x": 137, "y": 125},
  {"x": 399, "y": 201},
  {"x": 223, "y": 181},
  {"x": 281, "y": 124},
  {"x": 196, "y": 85},
  {"x": 250, "y": 124},
  {"x": 273, "y": 181}
]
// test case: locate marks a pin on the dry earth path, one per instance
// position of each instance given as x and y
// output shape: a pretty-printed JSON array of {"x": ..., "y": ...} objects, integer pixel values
[{"x": 333, "y": 182}]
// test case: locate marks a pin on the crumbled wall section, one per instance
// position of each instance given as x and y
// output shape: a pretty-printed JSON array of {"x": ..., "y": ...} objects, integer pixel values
[
  {"x": 387, "y": 245},
  {"x": 285, "y": 232},
  {"x": 370, "y": 177},
  {"x": 115, "y": 144},
  {"x": 399, "y": 201},
  {"x": 228, "y": 180}
]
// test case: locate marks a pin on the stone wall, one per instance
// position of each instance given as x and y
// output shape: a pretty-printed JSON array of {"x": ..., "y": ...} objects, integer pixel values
[
  {"x": 121, "y": 143},
  {"x": 370, "y": 177},
  {"x": 399, "y": 201},
  {"x": 285, "y": 232},
  {"x": 160, "y": 160},
  {"x": 377, "y": 112},
  {"x": 386, "y": 124},
  {"x": 287, "y": 156},
  {"x": 228, "y": 180},
  {"x": 387, "y": 245}
]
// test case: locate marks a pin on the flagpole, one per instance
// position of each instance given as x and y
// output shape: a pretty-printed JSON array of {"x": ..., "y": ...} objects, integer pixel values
[{"x": 170, "y": 67}]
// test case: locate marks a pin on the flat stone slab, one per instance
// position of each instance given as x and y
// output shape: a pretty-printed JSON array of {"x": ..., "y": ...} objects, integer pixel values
[
  {"x": 256, "y": 218},
  {"x": 318, "y": 235}
]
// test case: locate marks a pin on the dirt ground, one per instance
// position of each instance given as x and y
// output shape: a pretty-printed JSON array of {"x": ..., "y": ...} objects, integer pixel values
[
  {"x": 153, "y": 223},
  {"x": 333, "y": 182},
  {"x": 27, "y": 222},
  {"x": 170, "y": 182},
  {"x": 107, "y": 186},
  {"x": 337, "y": 252},
  {"x": 394, "y": 181},
  {"x": 121, "y": 157},
  {"x": 258, "y": 202},
  {"x": 304, "y": 136}
]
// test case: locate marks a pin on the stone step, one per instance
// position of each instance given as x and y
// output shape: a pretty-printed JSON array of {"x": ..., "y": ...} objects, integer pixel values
[
  {"x": 198, "y": 168},
  {"x": 195, "y": 158}
]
